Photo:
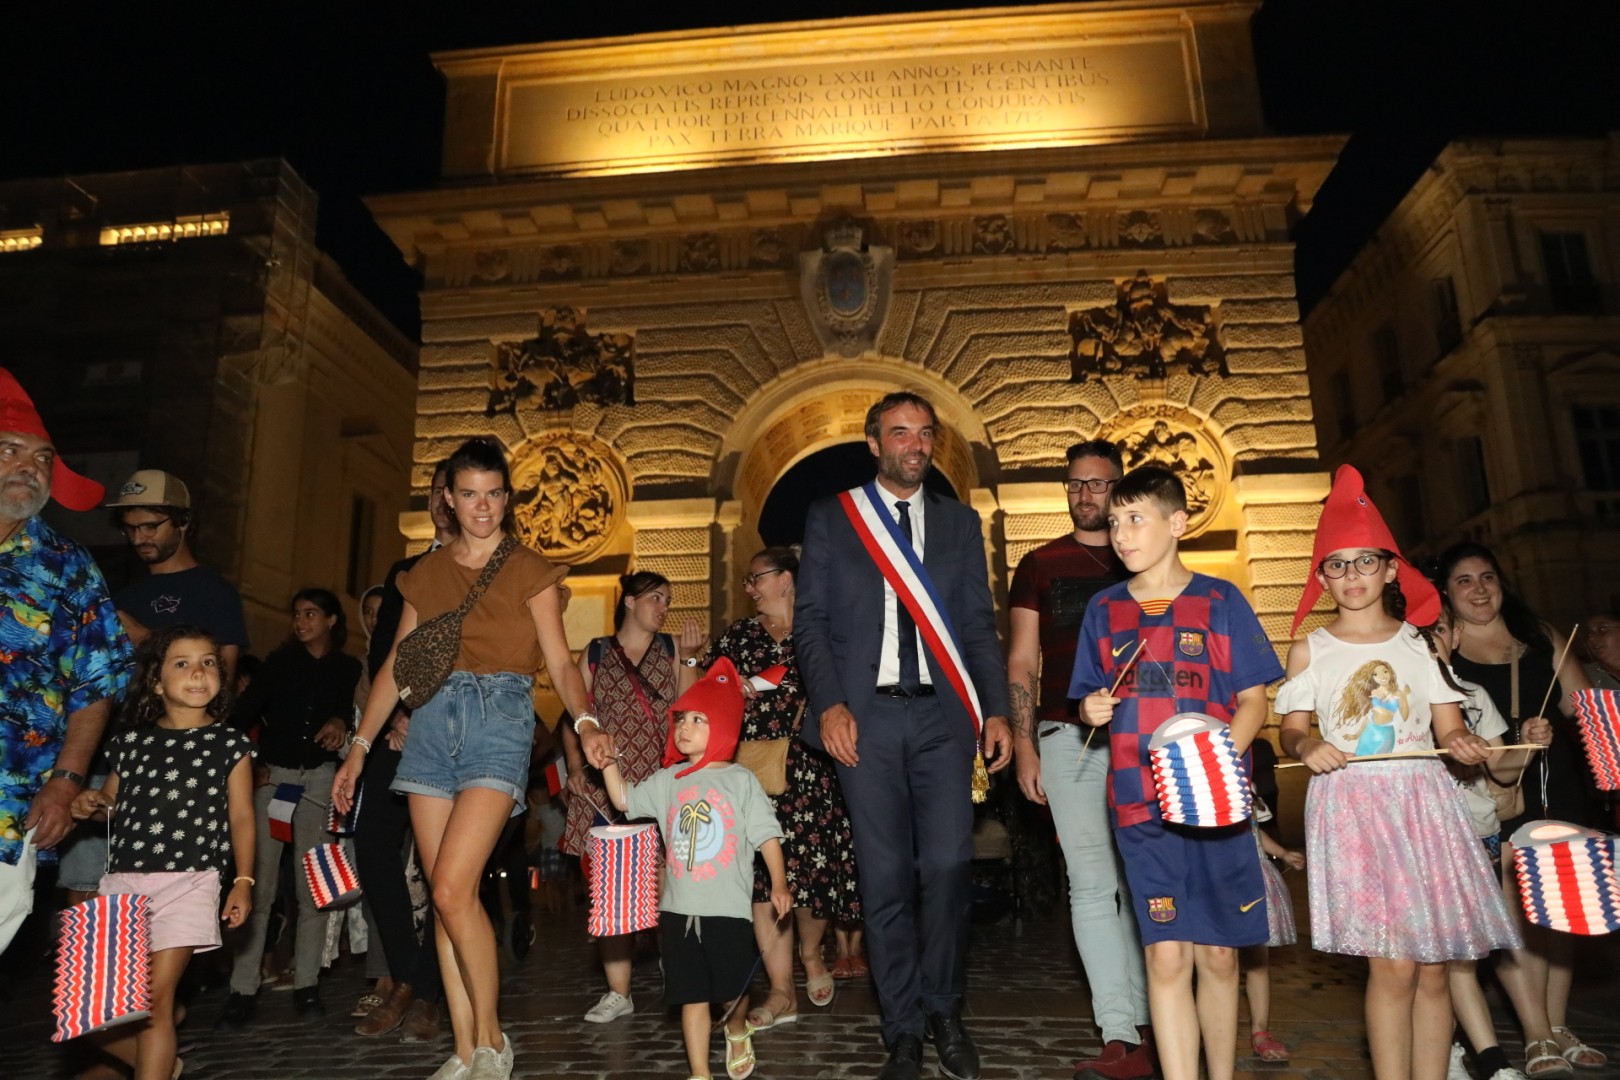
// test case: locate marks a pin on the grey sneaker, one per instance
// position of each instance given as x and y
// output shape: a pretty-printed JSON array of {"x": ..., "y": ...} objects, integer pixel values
[
  {"x": 1457, "y": 1070},
  {"x": 454, "y": 1069},
  {"x": 491, "y": 1064},
  {"x": 612, "y": 1006}
]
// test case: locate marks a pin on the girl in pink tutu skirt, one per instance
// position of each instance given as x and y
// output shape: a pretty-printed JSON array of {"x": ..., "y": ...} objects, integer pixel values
[{"x": 1395, "y": 872}]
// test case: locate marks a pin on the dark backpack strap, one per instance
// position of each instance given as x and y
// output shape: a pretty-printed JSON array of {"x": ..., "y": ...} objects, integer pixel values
[
  {"x": 669, "y": 643},
  {"x": 593, "y": 654}
]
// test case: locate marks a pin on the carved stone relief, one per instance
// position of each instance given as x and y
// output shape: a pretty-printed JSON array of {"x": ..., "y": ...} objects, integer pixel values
[
  {"x": 1065, "y": 232},
  {"x": 1175, "y": 439},
  {"x": 1212, "y": 227},
  {"x": 492, "y": 266},
  {"x": 1139, "y": 228},
  {"x": 563, "y": 366},
  {"x": 568, "y": 495},
  {"x": 845, "y": 287},
  {"x": 1144, "y": 335},
  {"x": 700, "y": 252},
  {"x": 917, "y": 239},
  {"x": 992, "y": 235}
]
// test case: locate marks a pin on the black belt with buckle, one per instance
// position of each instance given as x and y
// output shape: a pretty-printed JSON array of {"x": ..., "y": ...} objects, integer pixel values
[{"x": 892, "y": 690}]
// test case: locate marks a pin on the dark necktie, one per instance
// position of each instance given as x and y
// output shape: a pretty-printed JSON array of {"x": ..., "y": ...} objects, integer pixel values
[{"x": 909, "y": 678}]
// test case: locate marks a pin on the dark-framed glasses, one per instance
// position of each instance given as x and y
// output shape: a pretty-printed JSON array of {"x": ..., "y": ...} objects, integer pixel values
[
  {"x": 1365, "y": 565},
  {"x": 753, "y": 579},
  {"x": 145, "y": 528},
  {"x": 1096, "y": 487}
]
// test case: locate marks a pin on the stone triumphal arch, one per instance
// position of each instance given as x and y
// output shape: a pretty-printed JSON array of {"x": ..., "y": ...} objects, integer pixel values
[{"x": 664, "y": 269}]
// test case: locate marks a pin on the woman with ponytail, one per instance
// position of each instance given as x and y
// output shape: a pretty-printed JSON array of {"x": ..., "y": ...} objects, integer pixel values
[{"x": 631, "y": 675}]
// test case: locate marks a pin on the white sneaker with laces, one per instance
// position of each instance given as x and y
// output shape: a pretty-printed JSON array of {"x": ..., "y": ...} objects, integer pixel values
[
  {"x": 1508, "y": 1074},
  {"x": 454, "y": 1069},
  {"x": 1457, "y": 1070},
  {"x": 612, "y": 1006},
  {"x": 491, "y": 1064}
]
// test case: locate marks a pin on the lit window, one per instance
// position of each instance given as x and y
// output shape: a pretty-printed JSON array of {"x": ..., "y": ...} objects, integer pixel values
[
  {"x": 182, "y": 228},
  {"x": 22, "y": 239}
]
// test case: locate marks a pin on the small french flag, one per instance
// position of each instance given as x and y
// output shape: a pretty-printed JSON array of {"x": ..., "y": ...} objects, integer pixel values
[
  {"x": 282, "y": 805},
  {"x": 769, "y": 679},
  {"x": 556, "y": 775}
]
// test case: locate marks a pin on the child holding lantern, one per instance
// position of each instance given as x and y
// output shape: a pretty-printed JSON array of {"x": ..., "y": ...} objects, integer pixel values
[{"x": 713, "y": 815}]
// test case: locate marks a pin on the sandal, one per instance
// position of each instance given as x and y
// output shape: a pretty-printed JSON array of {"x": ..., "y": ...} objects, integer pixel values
[
  {"x": 1542, "y": 1058},
  {"x": 840, "y": 968},
  {"x": 820, "y": 989},
  {"x": 763, "y": 1017},
  {"x": 1267, "y": 1047},
  {"x": 740, "y": 1054},
  {"x": 1580, "y": 1055},
  {"x": 858, "y": 968},
  {"x": 363, "y": 1007}
]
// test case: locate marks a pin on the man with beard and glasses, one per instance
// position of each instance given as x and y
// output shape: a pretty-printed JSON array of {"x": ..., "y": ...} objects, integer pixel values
[
  {"x": 63, "y": 656},
  {"x": 885, "y": 703},
  {"x": 153, "y": 511},
  {"x": 1066, "y": 768}
]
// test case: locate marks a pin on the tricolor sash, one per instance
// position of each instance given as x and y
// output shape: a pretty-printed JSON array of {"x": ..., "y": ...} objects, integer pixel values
[{"x": 898, "y": 563}]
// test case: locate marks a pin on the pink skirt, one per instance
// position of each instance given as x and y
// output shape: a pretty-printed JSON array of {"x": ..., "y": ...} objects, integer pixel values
[
  {"x": 1395, "y": 869},
  {"x": 185, "y": 905}
]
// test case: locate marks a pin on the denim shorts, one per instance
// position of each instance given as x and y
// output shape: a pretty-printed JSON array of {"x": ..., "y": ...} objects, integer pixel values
[{"x": 477, "y": 731}]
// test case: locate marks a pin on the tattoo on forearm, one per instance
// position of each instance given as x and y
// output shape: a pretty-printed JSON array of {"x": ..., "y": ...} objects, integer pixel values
[{"x": 1022, "y": 698}]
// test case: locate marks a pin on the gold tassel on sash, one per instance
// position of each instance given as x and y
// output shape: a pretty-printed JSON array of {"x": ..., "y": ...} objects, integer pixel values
[{"x": 981, "y": 779}]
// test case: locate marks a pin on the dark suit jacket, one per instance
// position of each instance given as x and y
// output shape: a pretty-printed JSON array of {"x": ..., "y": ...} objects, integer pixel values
[{"x": 838, "y": 614}]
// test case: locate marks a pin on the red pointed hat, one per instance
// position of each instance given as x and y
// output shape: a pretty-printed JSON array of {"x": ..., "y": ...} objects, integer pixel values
[
  {"x": 718, "y": 695},
  {"x": 1350, "y": 520},
  {"x": 17, "y": 413}
]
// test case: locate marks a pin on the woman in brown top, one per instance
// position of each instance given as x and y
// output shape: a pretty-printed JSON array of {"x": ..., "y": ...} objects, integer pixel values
[
  {"x": 631, "y": 676},
  {"x": 466, "y": 757}
]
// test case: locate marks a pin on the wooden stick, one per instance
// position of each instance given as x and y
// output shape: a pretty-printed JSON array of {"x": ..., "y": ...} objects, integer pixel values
[
  {"x": 1556, "y": 669},
  {"x": 1418, "y": 754},
  {"x": 1140, "y": 641}
]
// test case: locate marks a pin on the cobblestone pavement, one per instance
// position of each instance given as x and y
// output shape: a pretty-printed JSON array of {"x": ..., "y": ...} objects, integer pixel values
[{"x": 1026, "y": 1005}]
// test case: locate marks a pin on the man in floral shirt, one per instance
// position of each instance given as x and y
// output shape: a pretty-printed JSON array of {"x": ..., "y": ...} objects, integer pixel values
[{"x": 63, "y": 654}]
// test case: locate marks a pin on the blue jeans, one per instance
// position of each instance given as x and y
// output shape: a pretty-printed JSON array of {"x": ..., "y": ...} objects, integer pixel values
[{"x": 1099, "y": 900}]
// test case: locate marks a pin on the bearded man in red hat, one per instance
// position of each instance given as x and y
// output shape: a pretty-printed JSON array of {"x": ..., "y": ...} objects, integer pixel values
[{"x": 63, "y": 654}]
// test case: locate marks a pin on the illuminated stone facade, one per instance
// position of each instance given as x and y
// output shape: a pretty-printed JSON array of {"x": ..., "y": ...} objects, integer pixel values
[
  {"x": 1468, "y": 362},
  {"x": 184, "y": 319},
  {"x": 1124, "y": 270}
]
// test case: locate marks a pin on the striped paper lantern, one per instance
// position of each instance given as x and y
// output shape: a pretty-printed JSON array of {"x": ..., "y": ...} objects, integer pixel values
[
  {"x": 623, "y": 877},
  {"x": 1199, "y": 773},
  {"x": 1566, "y": 877},
  {"x": 344, "y": 824},
  {"x": 1598, "y": 714},
  {"x": 103, "y": 965},
  {"x": 332, "y": 880}
]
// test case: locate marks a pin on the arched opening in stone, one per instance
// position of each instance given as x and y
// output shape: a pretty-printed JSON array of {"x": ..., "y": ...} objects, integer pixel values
[{"x": 825, "y": 472}]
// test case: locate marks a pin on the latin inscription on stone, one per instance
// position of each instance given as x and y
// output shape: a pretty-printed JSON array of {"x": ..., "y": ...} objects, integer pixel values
[{"x": 1024, "y": 96}]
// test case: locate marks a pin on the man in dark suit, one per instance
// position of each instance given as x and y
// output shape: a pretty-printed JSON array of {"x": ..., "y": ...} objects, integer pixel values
[{"x": 882, "y": 706}]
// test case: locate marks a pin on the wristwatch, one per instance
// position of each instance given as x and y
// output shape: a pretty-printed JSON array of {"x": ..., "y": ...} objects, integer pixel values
[
  {"x": 690, "y": 661},
  {"x": 69, "y": 774}
]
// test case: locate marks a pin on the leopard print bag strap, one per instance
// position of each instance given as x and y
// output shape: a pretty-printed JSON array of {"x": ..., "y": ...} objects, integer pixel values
[{"x": 427, "y": 655}]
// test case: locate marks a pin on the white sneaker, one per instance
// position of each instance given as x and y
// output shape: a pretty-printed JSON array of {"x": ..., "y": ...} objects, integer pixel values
[
  {"x": 1457, "y": 1070},
  {"x": 491, "y": 1064},
  {"x": 454, "y": 1069},
  {"x": 612, "y": 1006},
  {"x": 1508, "y": 1074}
]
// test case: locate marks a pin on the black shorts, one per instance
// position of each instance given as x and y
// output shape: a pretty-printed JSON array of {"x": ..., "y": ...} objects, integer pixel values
[{"x": 713, "y": 960}]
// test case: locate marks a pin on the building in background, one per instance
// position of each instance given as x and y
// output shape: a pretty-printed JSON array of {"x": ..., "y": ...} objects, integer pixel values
[
  {"x": 1468, "y": 362},
  {"x": 184, "y": 319},
  {"x": 671, "y": 272}
]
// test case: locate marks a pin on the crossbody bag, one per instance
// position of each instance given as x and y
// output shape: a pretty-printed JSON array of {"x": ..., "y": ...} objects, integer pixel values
[{"x": 426, "y": 656}]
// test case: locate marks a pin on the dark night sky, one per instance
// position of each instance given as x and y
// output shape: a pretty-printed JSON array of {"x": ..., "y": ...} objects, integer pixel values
[{"x": 344, "y": 89}]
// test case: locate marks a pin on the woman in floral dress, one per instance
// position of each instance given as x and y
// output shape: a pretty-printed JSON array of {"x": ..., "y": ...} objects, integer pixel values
[
  {"x": 818, "y": 847},
  {"x": 632, "y": 676}
]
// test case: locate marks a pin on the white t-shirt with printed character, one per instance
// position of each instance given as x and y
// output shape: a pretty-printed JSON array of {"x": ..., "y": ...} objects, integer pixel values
[{"x": 1370, "y": 699}]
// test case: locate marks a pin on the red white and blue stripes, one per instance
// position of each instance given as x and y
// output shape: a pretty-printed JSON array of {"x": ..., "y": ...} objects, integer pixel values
[
  {"x": 1566, "y": 877},
  {"x": 1199, "y": 773},
  {"x": 1598, "y": 714},
  {"x": 103, "y": 965},
  {"x": 332, "y": 880},
  {"x": 898, "y": 563},
  {"x": 282, "y": 805},
  {"x": 345, "y": 824},
  {"x": 623, "y": 871}
]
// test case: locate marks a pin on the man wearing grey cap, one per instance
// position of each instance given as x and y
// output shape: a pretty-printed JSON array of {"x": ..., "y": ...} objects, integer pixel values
[{"x": 153, "y": 510}]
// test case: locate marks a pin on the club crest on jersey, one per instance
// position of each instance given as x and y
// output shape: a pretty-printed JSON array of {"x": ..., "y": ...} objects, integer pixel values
[
  {"x": 1162, "y": 908},
  {"x": 1190, "y": 642}
]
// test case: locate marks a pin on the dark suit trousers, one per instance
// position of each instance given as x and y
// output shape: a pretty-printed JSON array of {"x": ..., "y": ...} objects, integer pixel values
[
  {"x": 909, "y": 801},
  {"x": 379, "y": 839}
]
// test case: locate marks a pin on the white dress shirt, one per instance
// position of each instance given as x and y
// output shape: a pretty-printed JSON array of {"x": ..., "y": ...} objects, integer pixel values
[{"x": 889, "y": 659}]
